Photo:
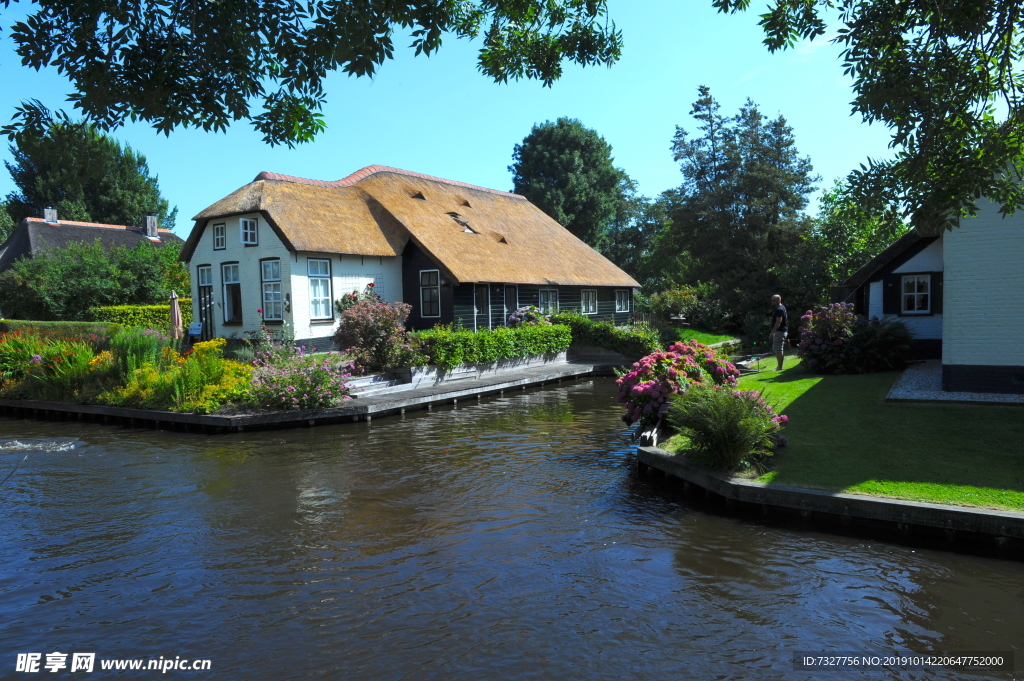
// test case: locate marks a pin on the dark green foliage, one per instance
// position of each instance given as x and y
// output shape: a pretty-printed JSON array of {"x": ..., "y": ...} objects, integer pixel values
[
  {"x": 173, "y": 63},
  {"x": 944, "y": 77},
  {"x": 728, "y": 430},
  {"x": 633, "y": 342},
  {"x": 7, "y": 223},
  {"x": 63, "y": 284},
  {"x": 566, "y": 170},
  {"x": 736, "y": 221},
  {"x": 834, "y": 340},
  {"x": 72, "y": 330},
  {"x": 633, "y": 229},
  {"x": 84, "y": 174},
  {"x": 145, "y": 316},
  {"x": 448, "y": 347}
]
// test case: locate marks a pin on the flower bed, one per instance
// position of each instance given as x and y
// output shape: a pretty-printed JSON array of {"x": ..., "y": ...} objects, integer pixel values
[{"x": 835, "y": 340}]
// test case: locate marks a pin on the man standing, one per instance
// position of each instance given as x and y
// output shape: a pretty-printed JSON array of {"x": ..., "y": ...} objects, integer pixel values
[{"x": 780, "y": 329}]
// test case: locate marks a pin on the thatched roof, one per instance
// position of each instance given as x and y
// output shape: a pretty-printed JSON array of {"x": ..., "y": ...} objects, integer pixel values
[{"x": 476, "y": 234}]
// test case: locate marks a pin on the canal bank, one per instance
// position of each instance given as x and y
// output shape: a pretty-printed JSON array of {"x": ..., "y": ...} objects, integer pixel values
[
  {"x": 963, "y": 525},
  {"x": 367, "y": 408}
]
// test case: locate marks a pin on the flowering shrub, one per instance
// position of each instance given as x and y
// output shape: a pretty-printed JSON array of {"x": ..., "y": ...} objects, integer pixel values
[
  {"x": 727, "y": 429},
  {"x": 646, "y": 388},
  {"x": 369, "y": 295},
  {"x": 373, "y": 334},
  {"x": 834, "y": 340},
  {"x": 301, "y": 381},
  {"x": 530, "y": 315}
]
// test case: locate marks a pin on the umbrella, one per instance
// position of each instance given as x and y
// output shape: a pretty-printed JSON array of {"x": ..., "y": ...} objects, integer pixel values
[{"x": 175, "y": 316}]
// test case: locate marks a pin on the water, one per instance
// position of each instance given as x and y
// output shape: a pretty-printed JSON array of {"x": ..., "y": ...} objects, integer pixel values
[{"x": 505, "y": 540}]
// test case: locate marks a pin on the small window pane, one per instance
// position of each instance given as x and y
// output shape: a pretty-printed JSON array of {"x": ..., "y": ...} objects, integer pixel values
[
  {"x": 428, "y": 278},
  {"x": 319, "y": 268},
  {"x": 205, "y": 276},
  {"x": 271, "y": 270},
  {"x": 231, "y": 274}
]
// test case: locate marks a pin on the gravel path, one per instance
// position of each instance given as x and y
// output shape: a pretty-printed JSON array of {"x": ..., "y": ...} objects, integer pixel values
[{"x": 924, "y": 382}]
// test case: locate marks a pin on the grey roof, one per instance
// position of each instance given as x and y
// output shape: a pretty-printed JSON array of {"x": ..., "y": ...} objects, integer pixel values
[{"x": 34, "y": 236}]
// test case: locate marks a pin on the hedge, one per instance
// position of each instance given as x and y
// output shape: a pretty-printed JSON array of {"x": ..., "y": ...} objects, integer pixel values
[
  {"x": 150, "y": 316},
  {"x": 62, "y": 329},
  {"x": 635, "y": 342},
  {"x": 447, "y": 347}
]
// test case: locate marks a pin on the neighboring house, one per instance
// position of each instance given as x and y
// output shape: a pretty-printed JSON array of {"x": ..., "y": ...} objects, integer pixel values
[
  {"x": 455, "y": 252},
  {"x": 37, "y": 235},
  {"x": 962, "y": 294}
]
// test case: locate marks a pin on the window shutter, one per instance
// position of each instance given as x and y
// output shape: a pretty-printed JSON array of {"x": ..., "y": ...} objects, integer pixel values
[
  {"x": 891, "y": 294},
  {"x": 936, "y": 292}
]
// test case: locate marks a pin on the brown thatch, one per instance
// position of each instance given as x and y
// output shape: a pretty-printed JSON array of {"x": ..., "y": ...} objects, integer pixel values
[{"x": 477, "y": 234}]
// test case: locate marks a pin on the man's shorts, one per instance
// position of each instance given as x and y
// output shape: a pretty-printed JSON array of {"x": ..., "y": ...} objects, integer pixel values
[{"x": 778, "y": 342}]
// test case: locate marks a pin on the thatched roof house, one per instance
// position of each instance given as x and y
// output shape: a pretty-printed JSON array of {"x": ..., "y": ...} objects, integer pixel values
[{"x": 478, "y": 253}]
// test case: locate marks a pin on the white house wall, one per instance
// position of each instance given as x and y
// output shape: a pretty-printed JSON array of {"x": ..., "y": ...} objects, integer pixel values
[
  {"x": 984, "y": 290},
  {"x": 248, "y": 259},
  {"x": 348, "y": 273},
  {"x": 928, "y": 260}
]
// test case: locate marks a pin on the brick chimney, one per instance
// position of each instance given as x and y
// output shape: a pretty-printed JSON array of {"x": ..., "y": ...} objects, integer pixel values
[
  {"x": 152, "y": 223},
  {"x": 49, "y": 215}
]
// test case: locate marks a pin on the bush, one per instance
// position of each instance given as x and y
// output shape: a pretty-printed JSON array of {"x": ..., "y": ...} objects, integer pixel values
[
  {"x": 834, "y": 340},
  {"x": 373, "y": 334},
  {"x": 530, "y": 315},
  {"x": 146, "y": 316},
  {"x": 636, "y": 341},
  {"x": 300, "y": 381},
  {"x": 80, "y": 330},
  {"x": 646, "y": 388},
  {"x": 673, "y": 302},
  {"x": 697, "y": 304},
  {"x": 727, "y": 429},
  {"x": 369, "y": 295},
  {"x": 447, "y": 347},
  {"x": 133, "y": 348}
]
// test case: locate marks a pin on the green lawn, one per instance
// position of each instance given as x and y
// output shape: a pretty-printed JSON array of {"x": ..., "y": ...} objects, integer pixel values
[
  {"x": 844, "y": 437},
  {"x": 703, "y": 336}
]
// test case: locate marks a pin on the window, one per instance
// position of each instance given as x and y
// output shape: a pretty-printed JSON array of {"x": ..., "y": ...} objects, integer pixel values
[
  {"x": 548, "y": 300},
  {"x": 232, "y": 293},
  {"x": 430, "y": 293},
  {"x": 249, "y": 235},
  {"x": 622, "y": 298},
  {"x": 588, "y": 301},
  {"x": 204, "y": 274},
  {"x": 219, "y": 237},
  {"x": 320, "y": 289},
  {"x": 917, "y": 294},
  {"x": 270, "y": 278}
]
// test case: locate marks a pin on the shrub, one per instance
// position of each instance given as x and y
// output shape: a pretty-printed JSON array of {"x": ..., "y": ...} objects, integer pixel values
[
  {"x": 369, "y": 295},
  {"x": 636, "y": 341},
  {"x": 448, "y": 347},
  {"x": 301, "y": 381},
  {"x": 147, "y": 316},
  {"x": 81, "y": 330},
  {"x": 673, "y": 302},
  {"x": 834, "y": 340},
  {"x": 530, "y": 315},
  {"x": 698, "y": 304},
  {"x": 133, "y": 348},
  {"x": 373, "y": 334},
  {"x": 727, "y": 429},
  {"x": 646, "y": 388}
]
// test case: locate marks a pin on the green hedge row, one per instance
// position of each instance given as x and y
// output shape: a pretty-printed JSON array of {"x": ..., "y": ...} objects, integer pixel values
[
  {"x": 150, "y": 316},
  {"x": 634, "y": 342},
  {"x": 447, "y": 347},
  {"x": 62, "y": 329}
]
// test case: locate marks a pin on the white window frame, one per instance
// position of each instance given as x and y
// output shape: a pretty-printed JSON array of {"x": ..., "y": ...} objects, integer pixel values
[
  {"x": 319, "y": 277},
  {"x": 248, "y": 229},
  {"x": 226, "y": 278},
  {"x": 204, "y": 275},
  {"x": 220, "y": 236},
  {"x": 904, "y": 294},
  {"x": 588, "y": 307},
  {"x": 548, "y": 307},
  {"x": 623, "y": 296},
  {"x": 431, "y": 287},
  {"x": 271, "y": 290}
]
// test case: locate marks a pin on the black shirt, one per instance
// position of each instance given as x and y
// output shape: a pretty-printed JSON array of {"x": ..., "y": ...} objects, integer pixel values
[{"x": 780, "y": 311}]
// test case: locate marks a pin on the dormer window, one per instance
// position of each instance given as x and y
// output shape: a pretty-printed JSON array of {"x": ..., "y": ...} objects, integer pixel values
[{"x": 462, "y": 223}]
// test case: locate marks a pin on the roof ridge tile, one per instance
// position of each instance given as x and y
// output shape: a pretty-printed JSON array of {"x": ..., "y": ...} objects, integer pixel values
[{"x": 366, "y": 172}]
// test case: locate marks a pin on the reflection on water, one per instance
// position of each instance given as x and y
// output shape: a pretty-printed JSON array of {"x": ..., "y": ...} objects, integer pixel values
[{"x": 508, "y": 539}]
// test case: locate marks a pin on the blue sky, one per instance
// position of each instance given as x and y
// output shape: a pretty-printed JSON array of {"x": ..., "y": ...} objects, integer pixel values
[{"x": 439, "y": 116}]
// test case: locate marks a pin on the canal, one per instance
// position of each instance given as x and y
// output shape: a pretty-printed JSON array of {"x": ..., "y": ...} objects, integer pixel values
[{"x": 508, "y": 539}]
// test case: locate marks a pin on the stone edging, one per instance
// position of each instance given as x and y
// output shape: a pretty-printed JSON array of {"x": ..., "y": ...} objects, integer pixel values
[{"x": 905, "y": 515}]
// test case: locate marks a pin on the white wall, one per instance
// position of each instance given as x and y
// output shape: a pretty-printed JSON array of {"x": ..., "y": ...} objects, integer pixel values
[
  {"x": 875, "y": 292},
  {"x": 348, "y": 273},
  {"x": 984, "y": 290},
  {"x": 248, "y": 258},
  {"x": 928, "y": 260}
]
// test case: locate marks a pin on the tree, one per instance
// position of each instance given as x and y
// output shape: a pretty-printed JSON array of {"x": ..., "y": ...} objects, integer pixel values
[
  {"x": 737, "y": 220},
  {"x": 7, "y": 223},
  {"x": 84, "y": 174},
  {"x": 633, "y": 229},
  {"x": 175, "y": 63},
  {"x": 63, "y": 283},
  {"x": 566, "y": 170},
  {"x": 946, "y": 77}
]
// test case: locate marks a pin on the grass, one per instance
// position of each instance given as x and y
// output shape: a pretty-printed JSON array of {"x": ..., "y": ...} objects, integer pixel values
[
  {"x": 844, "y": 437},
  {"x": 702, "y": 336}
]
